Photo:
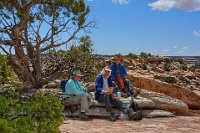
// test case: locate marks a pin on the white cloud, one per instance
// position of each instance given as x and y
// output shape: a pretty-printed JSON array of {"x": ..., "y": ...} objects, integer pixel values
[
  {"x": 121, "y": 2},
  {"x": 175, "y": 46},
  {"x": 137, "y": 48},
  {"x": 196, "y": 33},
  {"x": 165, "y": 50},
  {"x": 185, "y": 48},
  {"x": 166, "y": 5},
  {"x": 181, "y": 51},
  {"x": 196, "y": 53}
]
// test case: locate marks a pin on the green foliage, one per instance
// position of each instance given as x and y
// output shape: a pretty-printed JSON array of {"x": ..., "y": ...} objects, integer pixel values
[
  {"x": 5, "y": 69},
  {"x": 63, "y": 20},
  {"x": 193, "y": 68},
  {"x": 132, "y": 56},
  {"x": 40, "y": 115},
  {"x": 143, "y": 55},
  {"x": 166, "y": 67},
  {"x": 80, "y": 57},
  {"x": 144, "y": 67},
  {"x": 179, "y": 60},
  {"x": 168, "y": 60},
  {"x": 184, "y": 67}
]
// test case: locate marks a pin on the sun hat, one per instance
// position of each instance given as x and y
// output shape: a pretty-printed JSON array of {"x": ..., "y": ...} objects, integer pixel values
[
  {"x": 77, "y": 73},
  {"x": 118, "y": 58},
  {"x": 107, "y": 69}
]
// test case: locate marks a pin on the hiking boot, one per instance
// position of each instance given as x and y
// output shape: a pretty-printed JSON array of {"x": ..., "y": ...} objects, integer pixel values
[
  {"x": 135, "y": 93},
  {"x": 83, "y": 116},
  {"x": 73, "y": 108},
  {"x": 112, "y": 116},
  {"x": 134, "y": 116},
  {"x": 130, "y": 113}
]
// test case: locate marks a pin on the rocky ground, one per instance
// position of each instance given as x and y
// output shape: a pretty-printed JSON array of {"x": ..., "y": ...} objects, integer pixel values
[
  {"x": 172, "y": 79},
  {"x": 178, "y": 124}
]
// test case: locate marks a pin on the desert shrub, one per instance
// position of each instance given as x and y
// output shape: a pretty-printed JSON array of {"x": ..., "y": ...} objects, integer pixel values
[
  {"x": 179, "y": 60},
  {"x": 42, "y": 114},
  {"x": 184, "y": 67},
  {"x": 132, "y": 56},
  {"x": 166, "y": 67},
  {"x": 144, "y": 67},
  {"x": 77, "y": 57},
  {"x": 81, "y": 57},
  {"x": 193, "y": 68},
  {"x": 5, "y": 69},
  {"x": 145, "y": 55},
  {"x": 168, "y": 60}
]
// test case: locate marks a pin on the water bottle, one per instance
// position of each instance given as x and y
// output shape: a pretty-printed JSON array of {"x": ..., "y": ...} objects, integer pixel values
[{"x": 118, "y": 95}]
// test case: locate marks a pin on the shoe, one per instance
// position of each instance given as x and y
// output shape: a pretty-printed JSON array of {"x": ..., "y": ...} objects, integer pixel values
[
  {"x": 73, "y": 108},
  {"x": 83, "y": 116},
  {"x": 136, "y": 92},
  {"x": 130, "y": 113},
  {"x": 134, "y": 116},
  {"x": 113, "y": 116}
]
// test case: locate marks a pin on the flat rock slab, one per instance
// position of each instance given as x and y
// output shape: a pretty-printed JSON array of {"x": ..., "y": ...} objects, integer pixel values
[
  {"x": 164, "y": 102},
  {"x": 156, "y": 113},
  {"x": 192, "y": 99},
  {"x": 102, "y": 112}
]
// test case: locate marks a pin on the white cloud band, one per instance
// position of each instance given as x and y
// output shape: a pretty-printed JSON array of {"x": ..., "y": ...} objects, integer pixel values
[
  {"x": 166, "y": 5},
  {"x": 121, "y": 2}
]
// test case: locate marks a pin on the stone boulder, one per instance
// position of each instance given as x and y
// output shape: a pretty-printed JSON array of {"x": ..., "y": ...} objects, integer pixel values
[
  {"x": 164, "y": 102},
  {"x": 102, "y": 112},
  {"x": 183, "y": 94},
  {"x": 168, "y": 79},
  {"x": 156, "y": 113}
]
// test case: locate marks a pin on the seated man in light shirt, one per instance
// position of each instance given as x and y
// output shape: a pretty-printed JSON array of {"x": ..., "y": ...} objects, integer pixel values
[{"x": 76, "y": 94}]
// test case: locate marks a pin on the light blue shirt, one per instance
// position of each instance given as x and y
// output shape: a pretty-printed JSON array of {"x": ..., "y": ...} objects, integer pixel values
[{"x": 74, "y": 88}]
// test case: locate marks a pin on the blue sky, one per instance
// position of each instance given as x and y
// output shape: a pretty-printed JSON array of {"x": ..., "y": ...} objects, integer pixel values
[{"x": 160, "y": 27}]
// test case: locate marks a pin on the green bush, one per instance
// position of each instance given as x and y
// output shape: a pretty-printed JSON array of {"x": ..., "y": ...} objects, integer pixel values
[
  {"x": 184, "y": 67},
  {"x": 168, "y": 60},
  {"x": 179, "y": 60},
  {"x": 81, "y": 57},
  {"x": 144, "y": 67},
  {"x": 132, "y": 56},
  {"x": 144, "y": 55},
  {"x": 166, "y": 67},
  {"x": 5, "y": 69},
  {"x": 40, "y": 115}
]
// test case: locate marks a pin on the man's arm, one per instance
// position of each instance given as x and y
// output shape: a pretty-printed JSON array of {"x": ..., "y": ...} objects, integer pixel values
[
  {"x": 123, "y": 71},
  {"x": 113, "y": 71},
  {"x": 71, "y": 88},
  {"x": 98, "y": 85}
]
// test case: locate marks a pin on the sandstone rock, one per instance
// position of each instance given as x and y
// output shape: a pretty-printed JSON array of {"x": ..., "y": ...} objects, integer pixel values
[
  {"x": 156, "y": 113},
  {"x": 164, "y": 102},
  {"x": 183, "y": 94},
  {"x": 102, "y": 112},
  {"x": 168, "y": 79},
  {"x": 131, "y": 67},
  {"x": 143, "y": 103},
  {"x": 52, "y": 85}
]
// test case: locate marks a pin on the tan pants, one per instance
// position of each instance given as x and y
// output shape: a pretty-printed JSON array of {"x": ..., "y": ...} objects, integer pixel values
[{"x": 83, "y": 100}]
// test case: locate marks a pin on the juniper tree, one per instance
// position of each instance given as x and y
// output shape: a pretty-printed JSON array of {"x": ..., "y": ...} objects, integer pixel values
[{"x": 30, "y": 28}]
